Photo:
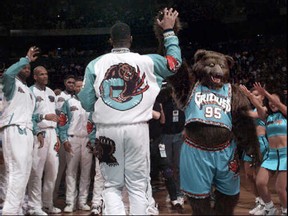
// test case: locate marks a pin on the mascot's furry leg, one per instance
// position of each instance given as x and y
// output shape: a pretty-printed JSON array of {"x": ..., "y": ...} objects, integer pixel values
[
  {"x": 201, "y": 206},
  {"x": 225, "y": 204}
]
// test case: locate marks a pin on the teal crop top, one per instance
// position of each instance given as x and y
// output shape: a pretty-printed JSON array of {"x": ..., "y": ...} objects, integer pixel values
[{"x": 276, "y": 125}]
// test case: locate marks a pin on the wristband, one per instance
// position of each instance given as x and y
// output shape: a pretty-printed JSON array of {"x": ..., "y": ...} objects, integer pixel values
[
  {"x": 167, "y": 30},
  {"x": 168, "y": 34},
  {"x": 28, "y": 58},
  {"x": 42, "y": 117}
]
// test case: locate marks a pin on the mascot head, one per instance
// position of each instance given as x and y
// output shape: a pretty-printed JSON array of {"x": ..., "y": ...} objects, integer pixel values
[{"x": 212, "y": 68}]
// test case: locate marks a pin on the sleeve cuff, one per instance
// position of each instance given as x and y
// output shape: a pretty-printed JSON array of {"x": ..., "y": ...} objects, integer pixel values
[{"x": 168, "y": 33}]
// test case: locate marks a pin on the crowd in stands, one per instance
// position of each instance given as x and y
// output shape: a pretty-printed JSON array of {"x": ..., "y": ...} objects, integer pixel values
[
  {"x": 90, "y": 14},
  {"x": 264, "y": 61},
  {"x": 261, "y": 59},
  {"x": 139, "y": 15}
]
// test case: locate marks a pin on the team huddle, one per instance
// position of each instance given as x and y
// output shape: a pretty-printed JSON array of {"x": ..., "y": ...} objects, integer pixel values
[{"x": 106, "y": 114}]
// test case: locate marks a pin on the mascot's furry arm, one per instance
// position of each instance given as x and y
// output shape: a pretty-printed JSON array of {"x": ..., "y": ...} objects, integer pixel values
[
  {"x": 244, "y": 128},
  {"x": 182, "y": 84}
]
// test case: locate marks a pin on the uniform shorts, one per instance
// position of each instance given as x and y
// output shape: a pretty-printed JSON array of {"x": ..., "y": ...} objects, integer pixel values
[{"x": 202, "y": 167}]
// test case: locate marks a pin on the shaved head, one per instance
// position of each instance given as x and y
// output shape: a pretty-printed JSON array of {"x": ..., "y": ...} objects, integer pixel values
[
  {"x": 40, "y": 75},
  {"x": 38, "y": 69}
]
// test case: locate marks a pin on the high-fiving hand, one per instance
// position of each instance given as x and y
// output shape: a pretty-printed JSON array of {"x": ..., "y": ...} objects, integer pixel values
[{"x": 169, "y": 18}]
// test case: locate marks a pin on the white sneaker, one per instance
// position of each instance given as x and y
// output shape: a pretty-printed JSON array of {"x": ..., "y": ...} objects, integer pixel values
[
  {"x": 257, "y": 207},
  {"x": 39, "y": 211},
  {"x": 84, "y": 207},
  {"x": 69, "y": 208},
  {"x": 152, "y": 210},
  {"x": 52, "y": 210},
  {"x": 271, "y": 211},
  {"x": 180, "y": 200},
  {"x": 176, "y": 204},
  {"x": 96, "y": 210},
  {"x": 260, "y": 211},
  {"x": 283, "y": 211}
]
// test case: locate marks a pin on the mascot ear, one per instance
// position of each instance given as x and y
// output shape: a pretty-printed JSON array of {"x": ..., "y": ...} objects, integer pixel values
[
  {"x": 199, "y": 55},
  {"x": 230, "y": 61}
]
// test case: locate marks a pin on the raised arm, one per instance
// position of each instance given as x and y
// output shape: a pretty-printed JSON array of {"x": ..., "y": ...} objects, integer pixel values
[
  {"x": 275, "y": 100},
  {"x": 168, "y": 64},
  {"x": 11, "y": 73},
  {"x": 261, "y": 110}
]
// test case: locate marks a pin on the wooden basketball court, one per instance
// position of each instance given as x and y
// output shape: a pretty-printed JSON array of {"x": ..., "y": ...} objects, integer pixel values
[
  {"x": 245, "y": 204},
  {"x": 246, "y": 201}
]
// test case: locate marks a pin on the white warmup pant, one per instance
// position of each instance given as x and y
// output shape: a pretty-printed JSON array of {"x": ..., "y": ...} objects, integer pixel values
[
  {"x": 17, "y": 150},
  {"x": 45, "y": 160},
  {"x": 98, "y": 185},
  {"x": 82, "y": 155},
  {"x": 61, "y": 172},
  {"x": 2, "y": 173},
  {"x": 131, "y": 146},
  {"x": 151, "y": 200}
]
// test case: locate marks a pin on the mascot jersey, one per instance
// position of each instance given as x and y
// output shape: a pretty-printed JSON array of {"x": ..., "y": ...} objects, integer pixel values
[
  {"x": 210, "y": 106},
  {"x": 124, "y": 85}
]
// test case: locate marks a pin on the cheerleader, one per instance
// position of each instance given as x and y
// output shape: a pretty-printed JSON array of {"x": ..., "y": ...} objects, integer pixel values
[
  {"x": 250, "y": 170},
  {"x": 275, "y": 159}
]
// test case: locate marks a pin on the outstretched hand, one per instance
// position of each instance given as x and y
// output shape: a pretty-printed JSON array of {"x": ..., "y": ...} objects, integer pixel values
[
  {"x": 244, "y": 89},
  {"x": 259, "y": 88},
  {"x": 169, "y": 18},
  {"x": 32, "y": 53}
]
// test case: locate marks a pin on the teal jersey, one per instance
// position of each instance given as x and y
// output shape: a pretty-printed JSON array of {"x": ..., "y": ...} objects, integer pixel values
[{"x": 210, "y": 106}]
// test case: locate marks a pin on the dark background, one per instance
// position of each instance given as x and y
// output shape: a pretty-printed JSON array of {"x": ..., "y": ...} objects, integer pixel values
[
  {"x": 205, "y": 21},
  {"x": 79, "y": 30}
]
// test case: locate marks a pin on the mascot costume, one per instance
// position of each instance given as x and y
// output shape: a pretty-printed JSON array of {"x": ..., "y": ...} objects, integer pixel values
[{"x": 216, "y": 125}]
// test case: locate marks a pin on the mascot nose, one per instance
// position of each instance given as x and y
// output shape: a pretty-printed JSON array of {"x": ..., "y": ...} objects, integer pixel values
[{"x": 218, "y": 70}]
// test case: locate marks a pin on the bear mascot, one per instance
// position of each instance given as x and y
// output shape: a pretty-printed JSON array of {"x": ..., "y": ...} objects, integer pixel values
[{"x": 217, "y": 125}]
